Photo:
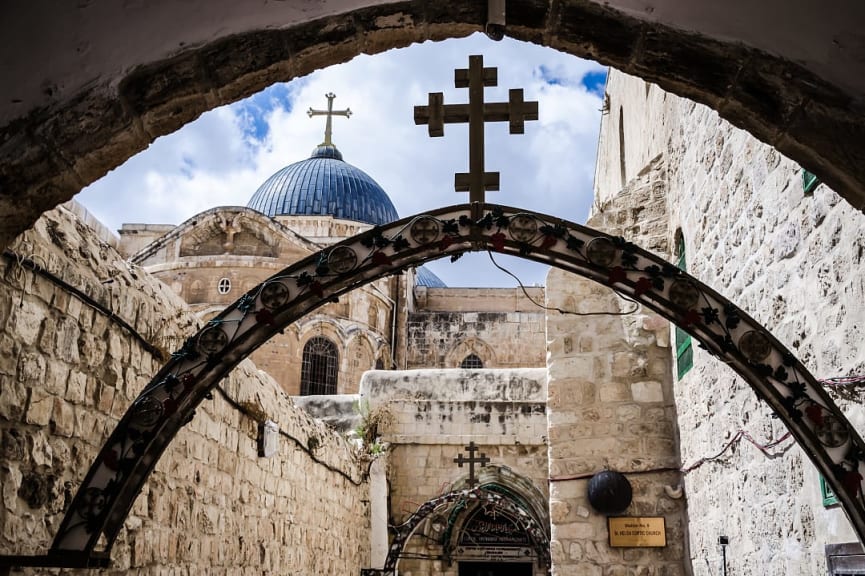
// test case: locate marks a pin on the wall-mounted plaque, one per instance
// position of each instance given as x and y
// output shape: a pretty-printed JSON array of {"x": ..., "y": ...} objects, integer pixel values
[{"x": 637, "y": 532}]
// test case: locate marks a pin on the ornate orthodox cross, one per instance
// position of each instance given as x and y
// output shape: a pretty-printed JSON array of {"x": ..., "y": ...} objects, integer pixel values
[
  {"x": 481, "y": 459},
  {"x": 436, "y": 114},
  {"x": 330, "y": 113}
]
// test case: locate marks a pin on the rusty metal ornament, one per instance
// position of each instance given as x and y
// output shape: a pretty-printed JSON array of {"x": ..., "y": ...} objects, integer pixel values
[
  {"x": 601, "y": 251},
  {"x": 274, "y": 295},
  {"x": 831, "y": 432},
  {"x": 425, "y": 230},
  {"x": 147, "y": 411},
  {"x": 755, "y": 346},
  {"x": 212, "y": 340},
  {"x": 342, "y": 259},
  {"x": 523, "y": 228},
  {"x": 684, "y": 294},
  {"x": 91, "y": 504}
]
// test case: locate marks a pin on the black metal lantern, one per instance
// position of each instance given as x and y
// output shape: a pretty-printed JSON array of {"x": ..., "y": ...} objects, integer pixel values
[{"x": 609, "y": 492}]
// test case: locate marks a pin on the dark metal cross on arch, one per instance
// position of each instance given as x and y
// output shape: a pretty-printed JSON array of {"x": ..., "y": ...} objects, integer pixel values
[
  {"x": 436, "y": 114},
  {"x": 482, "y": 459}
]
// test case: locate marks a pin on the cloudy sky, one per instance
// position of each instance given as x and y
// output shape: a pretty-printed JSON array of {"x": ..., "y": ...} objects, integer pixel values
[{"x": 222, "y": 158}]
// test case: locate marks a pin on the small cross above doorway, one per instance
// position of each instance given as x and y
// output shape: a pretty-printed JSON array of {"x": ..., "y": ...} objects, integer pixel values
[{"x": 472, "y": 460}]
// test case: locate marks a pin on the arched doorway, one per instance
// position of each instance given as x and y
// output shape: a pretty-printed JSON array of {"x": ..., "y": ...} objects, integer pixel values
[
  {"x": 495, "y": 529},
  {"x": 776, "y": 376}
]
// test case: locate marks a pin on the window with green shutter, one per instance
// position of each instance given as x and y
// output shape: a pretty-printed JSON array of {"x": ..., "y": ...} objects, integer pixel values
[
  {"x": 684, "y": 349},
  {"x": 809, "y": 182},
  {"x": 829, "y": 498}
]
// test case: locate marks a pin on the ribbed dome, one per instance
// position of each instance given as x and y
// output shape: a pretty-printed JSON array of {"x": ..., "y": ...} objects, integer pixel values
[
  {"x": 324, "y": 185},
  {"x": 425, "y": 277}
]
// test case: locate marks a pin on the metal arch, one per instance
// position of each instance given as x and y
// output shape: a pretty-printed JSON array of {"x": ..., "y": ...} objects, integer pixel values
[
  {"x": 169, "y": 400},
  {"x": 538, "y": 536}
]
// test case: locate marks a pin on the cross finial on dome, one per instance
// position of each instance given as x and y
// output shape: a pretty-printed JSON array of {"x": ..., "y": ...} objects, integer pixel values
[{"x": 330, "y": 113}]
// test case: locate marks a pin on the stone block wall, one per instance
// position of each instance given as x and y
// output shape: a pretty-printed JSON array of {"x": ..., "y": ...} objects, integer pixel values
[
  {"x": 610, "y": 406},
  {"x": 499, "y": 325},
  {"x": 429, "y": 416},
  {"x": 794, "y": 262},
  {"x": 791, "y": 260},
  {"x": 68, "y": 371}
]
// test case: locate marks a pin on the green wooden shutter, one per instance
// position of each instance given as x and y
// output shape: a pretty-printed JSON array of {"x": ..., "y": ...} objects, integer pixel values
[
  {"x": 829, "y": 498},
  {"x": 684, "y": 349},
  {"x": 809, "y": 181}
]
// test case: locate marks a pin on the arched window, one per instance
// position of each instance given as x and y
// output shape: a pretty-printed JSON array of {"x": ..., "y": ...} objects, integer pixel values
[
  {"x": 319, "y": 367},
  {"x": 684, "y": 350},
  {"x": 471, "y": 362}
]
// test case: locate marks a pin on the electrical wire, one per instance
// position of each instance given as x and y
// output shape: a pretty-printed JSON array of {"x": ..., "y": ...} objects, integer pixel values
[
  {"x": 842, "y": 380},
  {"x": 764, "y": 448},
  {"x": 25, "y": 262},
  {"x": 310, "y": 452},
  {"x": 557, "y": 309}
]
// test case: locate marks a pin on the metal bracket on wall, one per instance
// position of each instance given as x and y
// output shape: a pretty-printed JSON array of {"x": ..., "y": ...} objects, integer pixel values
[{"x": 495, "y": 27}]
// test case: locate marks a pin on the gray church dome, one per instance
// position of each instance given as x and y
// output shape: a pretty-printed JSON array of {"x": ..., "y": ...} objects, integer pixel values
[{"x": 324, "y": 185}]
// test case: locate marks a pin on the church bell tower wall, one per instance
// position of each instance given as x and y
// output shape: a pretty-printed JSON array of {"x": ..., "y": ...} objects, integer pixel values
[
  {"x": 69, "y": 370},
  {"x": 610, "y": 406}
]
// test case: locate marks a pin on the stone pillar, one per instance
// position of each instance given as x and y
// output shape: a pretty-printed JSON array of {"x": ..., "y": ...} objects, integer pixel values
[
  {"x": 610, "y": 406},
  {"x": 378, "y": 538}
]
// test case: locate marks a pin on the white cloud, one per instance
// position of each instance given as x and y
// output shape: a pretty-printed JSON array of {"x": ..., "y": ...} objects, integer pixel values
[{"x": 224, "y": 156}]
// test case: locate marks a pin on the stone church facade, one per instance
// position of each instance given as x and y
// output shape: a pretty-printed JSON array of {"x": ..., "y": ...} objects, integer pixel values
[
  {"x": 551, "y": 398},
  {"x": 405, "y": 321}
]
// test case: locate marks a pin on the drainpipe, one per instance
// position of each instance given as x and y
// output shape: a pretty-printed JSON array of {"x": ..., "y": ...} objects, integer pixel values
[{"x": 393, "y": 326}]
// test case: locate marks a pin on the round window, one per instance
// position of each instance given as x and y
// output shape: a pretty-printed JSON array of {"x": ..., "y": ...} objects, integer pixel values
[{"x": 224, "y": 286}]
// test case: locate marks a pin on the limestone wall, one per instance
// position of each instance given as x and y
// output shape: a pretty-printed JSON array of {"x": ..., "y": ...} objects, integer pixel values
[
  {"x": 428, "y": 417},
  {"x": 610, "y": 406},
  {"x": 215, "y": 257},
  {"x": 67, "y": 373},
  {"x": 791, "y": 260},
  {"x": 498, "y": 325}
]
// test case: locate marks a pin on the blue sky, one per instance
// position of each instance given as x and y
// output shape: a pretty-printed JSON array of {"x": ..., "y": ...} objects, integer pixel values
[{"x": 222, "y": 158}]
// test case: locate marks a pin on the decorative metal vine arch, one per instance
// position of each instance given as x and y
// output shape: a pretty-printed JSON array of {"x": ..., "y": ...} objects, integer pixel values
[
  {"x": 168, "y": 402},
  {"x": 537, "y": 535}
]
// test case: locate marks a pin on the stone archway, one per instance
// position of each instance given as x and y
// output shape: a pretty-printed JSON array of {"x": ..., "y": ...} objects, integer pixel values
[
  {"x": 169, "y": 400},
  {"x": 468, "y": 346},
  {"x": 503, "y": 500},
  {"x": 98, "y": 106}
]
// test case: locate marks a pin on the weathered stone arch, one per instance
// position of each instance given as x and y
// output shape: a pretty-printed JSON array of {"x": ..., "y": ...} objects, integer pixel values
[
  {"x": 71, "y": 130},
  {"x": 384, "y": 358},
  {"x": 169, "y": 400},
  {"x": 473, "y": 498},
  {"x": 496, "y": 474},
  {"x": 470, "y": 345},
  {"x": 314, "y": 324},
  {"x": 360, "y": 357}
]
